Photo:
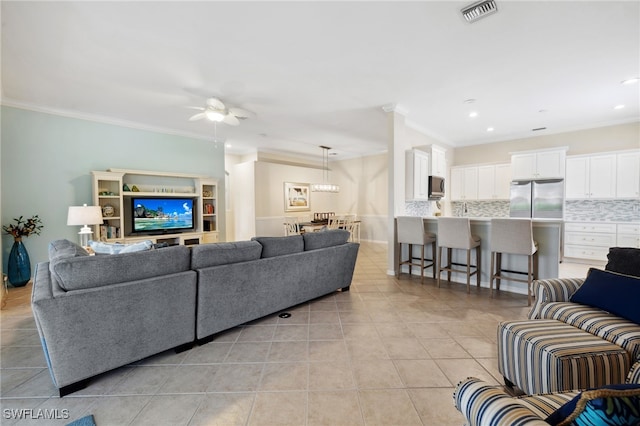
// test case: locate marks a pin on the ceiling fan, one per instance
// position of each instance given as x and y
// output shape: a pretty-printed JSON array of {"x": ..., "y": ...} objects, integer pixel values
[{"x": 217, "y": 112}]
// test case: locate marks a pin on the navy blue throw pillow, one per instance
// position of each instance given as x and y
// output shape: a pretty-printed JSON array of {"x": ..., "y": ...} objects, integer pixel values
[{"x": 611, "y": 292}]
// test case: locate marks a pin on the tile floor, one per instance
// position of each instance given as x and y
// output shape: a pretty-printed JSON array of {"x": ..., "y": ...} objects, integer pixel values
[{"x": 388, "y": 352}]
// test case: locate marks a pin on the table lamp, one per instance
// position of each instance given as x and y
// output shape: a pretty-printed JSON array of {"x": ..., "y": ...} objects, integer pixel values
[{"x": 84, "y": 215}]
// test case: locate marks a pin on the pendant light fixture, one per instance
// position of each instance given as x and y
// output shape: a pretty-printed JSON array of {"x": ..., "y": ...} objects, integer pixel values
[{"x": 325, "y": 186}]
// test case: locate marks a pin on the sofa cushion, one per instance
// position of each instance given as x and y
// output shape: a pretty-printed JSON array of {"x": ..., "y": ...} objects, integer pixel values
[
  {"x": 612, "y": 292},
  {"x": 84, "y": 272},
  {"x": 318, "y": 240},
  {"x": 624, "y": 260},
  {"x": 62, "y": 249},
  {"x": 609, "y": 405},
  {"x": 100, "y": 247},
  {"x": 205, "y": 255},
  {"x": 280, "y": 246}
]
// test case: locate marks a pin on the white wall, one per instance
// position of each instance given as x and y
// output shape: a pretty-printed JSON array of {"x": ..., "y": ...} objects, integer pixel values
[
  {"x": 363, "y": 191},
  {"x": 243, "y": 198},
  {"x": 601, "y": 139},
  {"x": 47, "y": 161}
]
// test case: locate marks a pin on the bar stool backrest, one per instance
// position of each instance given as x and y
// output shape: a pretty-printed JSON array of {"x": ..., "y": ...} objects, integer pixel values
[
  {"x": 455, "y": 232},
  {"x": 410, "y": 230},
  {"x": 513, "y": 236}
]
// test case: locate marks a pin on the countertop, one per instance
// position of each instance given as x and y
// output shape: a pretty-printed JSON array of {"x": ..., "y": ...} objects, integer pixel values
[{"x": 486, "y": 220}]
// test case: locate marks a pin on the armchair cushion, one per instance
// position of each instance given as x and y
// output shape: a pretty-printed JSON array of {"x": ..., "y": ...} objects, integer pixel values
[
  {"x": 624, "y": 260},
  {"x": 612, "y": 292},
  {"x": 609, "y": 405},
  {"x": 552, "y": 290}
]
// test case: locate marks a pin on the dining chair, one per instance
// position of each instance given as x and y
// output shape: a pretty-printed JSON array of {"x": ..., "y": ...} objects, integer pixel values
[
  {"x": 291, "y": 226},
  {"x": 349, "y": 224},
  {"x": 334, "y": 222}
]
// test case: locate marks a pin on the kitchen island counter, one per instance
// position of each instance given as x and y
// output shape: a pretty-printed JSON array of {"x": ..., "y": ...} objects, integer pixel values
[{"x": 546, "y": 232}]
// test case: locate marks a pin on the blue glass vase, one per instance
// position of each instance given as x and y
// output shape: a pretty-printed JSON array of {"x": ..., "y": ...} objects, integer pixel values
[{"x": 19, "y": 264}]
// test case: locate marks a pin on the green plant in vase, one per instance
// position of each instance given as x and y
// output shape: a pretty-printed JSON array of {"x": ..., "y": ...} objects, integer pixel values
[{"x": 19, "y": 264}]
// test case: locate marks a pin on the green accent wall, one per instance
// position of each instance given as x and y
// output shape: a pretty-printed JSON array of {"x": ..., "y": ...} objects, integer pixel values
[{"x": 46, "y": 162}]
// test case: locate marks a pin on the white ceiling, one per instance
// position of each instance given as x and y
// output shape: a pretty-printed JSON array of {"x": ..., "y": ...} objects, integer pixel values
[{"x": 319, "y": 73}]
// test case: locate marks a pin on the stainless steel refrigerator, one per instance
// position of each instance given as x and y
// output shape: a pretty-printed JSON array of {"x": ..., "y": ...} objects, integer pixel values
[{"x": 537, "y": 198}]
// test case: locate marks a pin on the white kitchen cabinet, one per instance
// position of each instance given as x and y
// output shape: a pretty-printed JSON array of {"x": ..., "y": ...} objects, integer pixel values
[
  {"x": 464, "y": 183},
  {"x": 417, "y": 169},
  {"x": 538, "y": 165},
  {"x": 592, "y": 176},
  {"x": 628, "y": 235},
  {"x": 589, "y": 240},
  {"x": 494, "y": 182},
  {"x": 628, "y": 175},
  {"x": 438, "y": 161}
]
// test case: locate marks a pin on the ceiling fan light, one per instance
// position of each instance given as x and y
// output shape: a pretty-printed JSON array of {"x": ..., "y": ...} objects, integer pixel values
[{"x": 214, "y": 115}]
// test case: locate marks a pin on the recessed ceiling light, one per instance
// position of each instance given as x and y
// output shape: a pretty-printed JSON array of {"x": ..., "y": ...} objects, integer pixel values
[
  {"x": 489, "y": 129},
  {"x": 631, "y": 80},
  {"x": 618, "y": 107},
  {"x": 473, "y": 114}
]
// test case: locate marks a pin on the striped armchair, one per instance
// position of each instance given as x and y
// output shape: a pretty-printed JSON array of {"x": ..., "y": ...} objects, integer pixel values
[
  {"x": 552, "y": 303},
  {"x": 485, "y": 405},
  {"x": 566, "y": 345},
  {"x": 553, "y": 290}
]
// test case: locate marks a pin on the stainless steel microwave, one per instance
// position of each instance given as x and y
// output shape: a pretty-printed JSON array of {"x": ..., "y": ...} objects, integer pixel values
[{"x": 436, "y": 187}]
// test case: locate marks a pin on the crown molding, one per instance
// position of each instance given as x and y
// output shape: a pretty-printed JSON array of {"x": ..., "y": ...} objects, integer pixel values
[{"x": 101, "y": 119}]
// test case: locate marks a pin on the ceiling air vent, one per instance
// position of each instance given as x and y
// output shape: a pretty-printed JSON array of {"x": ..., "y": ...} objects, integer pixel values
[{"x": 479, "y": 10}]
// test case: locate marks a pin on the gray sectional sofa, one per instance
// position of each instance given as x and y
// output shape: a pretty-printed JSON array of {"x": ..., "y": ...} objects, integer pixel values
[{"x": 97, "y": 313}]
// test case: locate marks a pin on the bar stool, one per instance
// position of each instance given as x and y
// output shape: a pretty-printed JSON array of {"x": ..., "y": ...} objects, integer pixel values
[
  {"x": 455, "y": 233},
  {"x": 513, "y": 236},
  {"x": 411, "y": 232}
]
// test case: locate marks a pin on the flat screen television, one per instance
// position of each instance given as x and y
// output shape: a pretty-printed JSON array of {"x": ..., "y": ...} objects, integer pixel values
[{"x": 162, "y": 215}]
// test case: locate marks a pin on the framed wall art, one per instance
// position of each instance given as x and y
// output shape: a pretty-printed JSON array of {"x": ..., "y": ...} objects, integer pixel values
[{"x": 296, "y": 197}]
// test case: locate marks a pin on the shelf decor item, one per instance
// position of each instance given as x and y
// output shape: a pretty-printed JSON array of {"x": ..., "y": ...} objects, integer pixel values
[
  {"x": 108, "y": 210},
  {"x": 19, "y": 264}
]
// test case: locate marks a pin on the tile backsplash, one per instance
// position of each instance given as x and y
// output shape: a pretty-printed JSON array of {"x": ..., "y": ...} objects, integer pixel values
[
  {"x": 419, "y": 208},
  {"x": 575, "y": 210},
  {"x": 602, "y": 210},
  {"x": 499, "y": 208}
]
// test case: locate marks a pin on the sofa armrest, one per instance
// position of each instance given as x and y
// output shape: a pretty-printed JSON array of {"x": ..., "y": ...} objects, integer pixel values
[
  {"x": 484, "y": 405},
  {"x": 552, "y": 290}
]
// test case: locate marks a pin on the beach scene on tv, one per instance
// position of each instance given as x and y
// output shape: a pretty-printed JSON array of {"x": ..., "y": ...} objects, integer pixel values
[{"x": 161, "y": 214}]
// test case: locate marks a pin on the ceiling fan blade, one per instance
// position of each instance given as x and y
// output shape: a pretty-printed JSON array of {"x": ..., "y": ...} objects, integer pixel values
[
  {"x": 198, "y": 116},
  {"x": 215, "y": 103},
  {"x": 195, "y": 107},
  {"x": 231, "y": 120},
  {"x": 241, "y": 112}
]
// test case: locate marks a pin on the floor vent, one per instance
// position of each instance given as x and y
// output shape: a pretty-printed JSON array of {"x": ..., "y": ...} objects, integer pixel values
[{"x": 479, "y": 10}]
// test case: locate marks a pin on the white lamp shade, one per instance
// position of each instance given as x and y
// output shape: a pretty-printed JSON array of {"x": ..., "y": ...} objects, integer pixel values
[{"x": 84, "y": 215}]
